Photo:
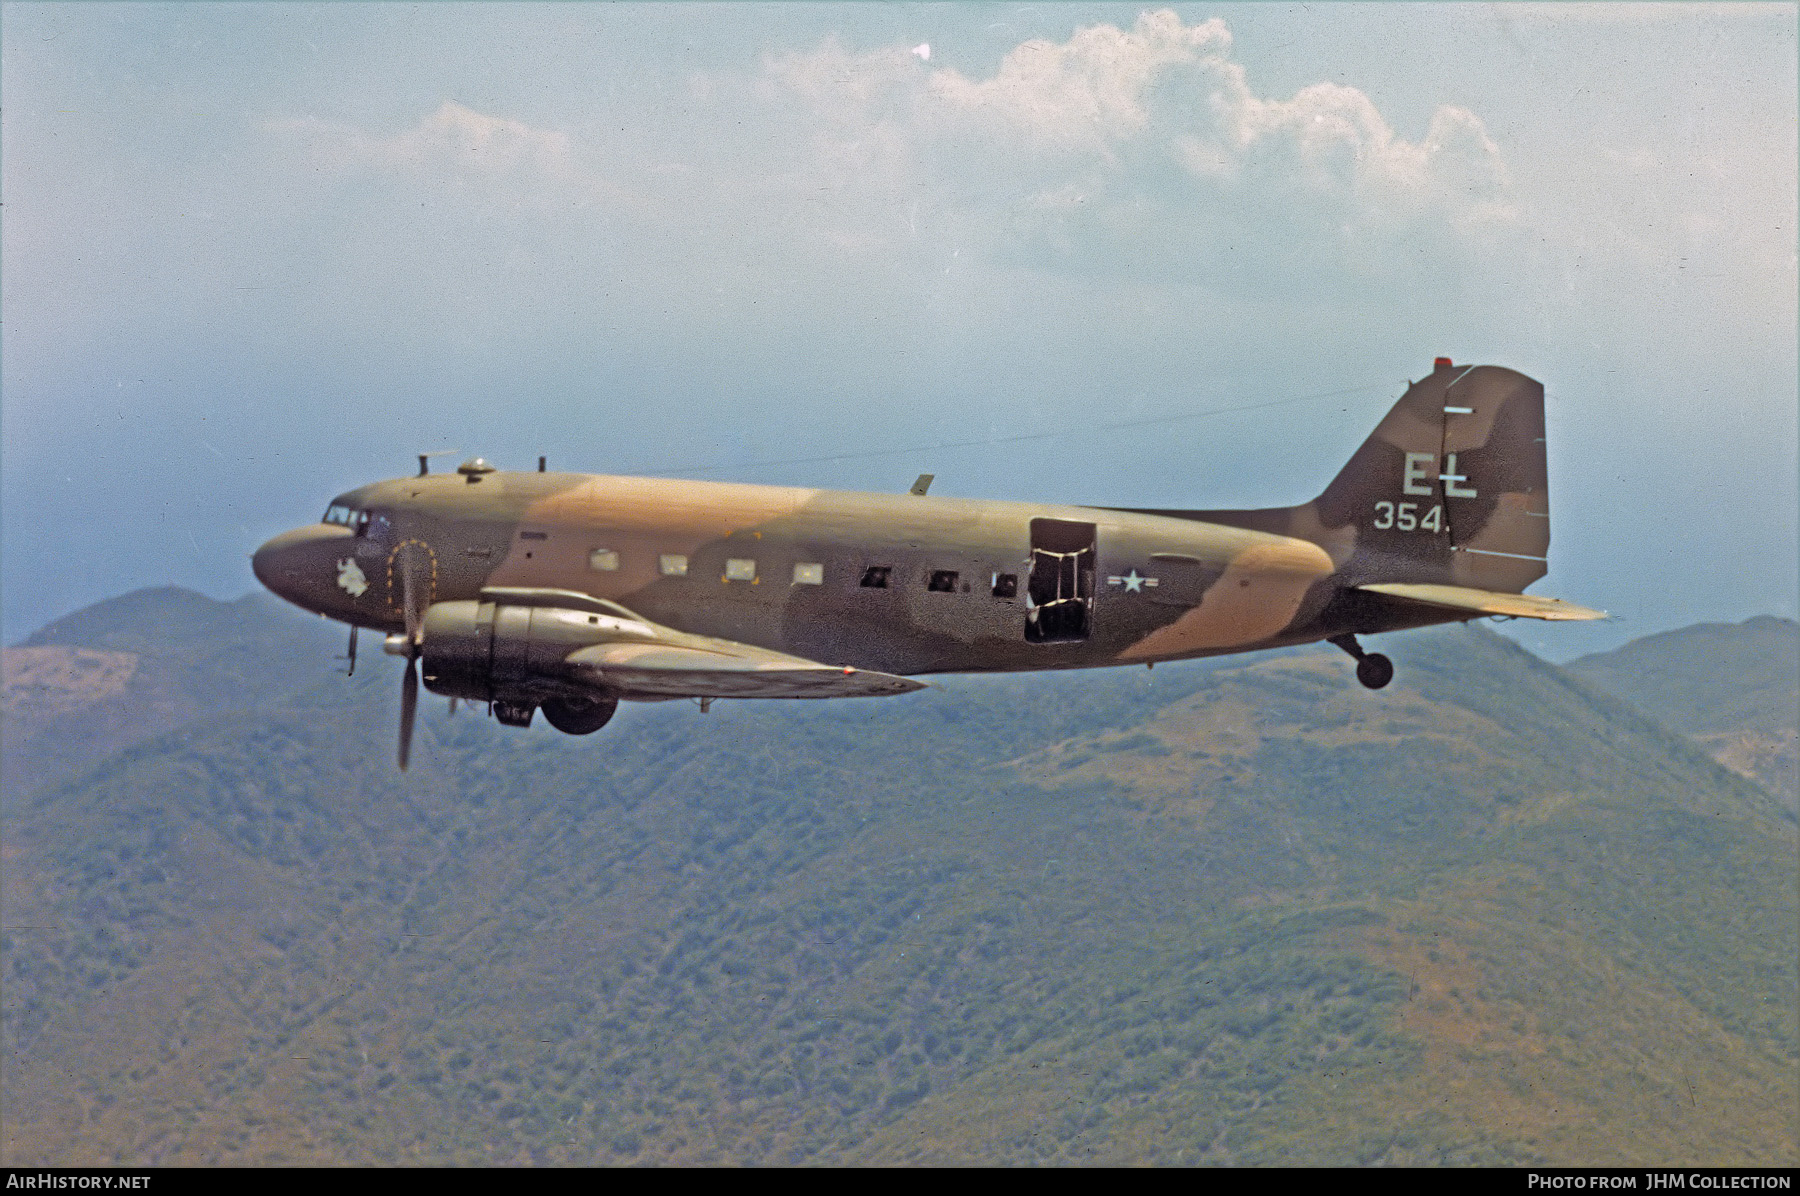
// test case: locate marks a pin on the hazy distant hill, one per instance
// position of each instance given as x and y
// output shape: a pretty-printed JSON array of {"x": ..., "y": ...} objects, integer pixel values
[
  {"x": 1735, "y": 687},
  {"x": 1243, "y": 913},
  {"x": 130, "y": 668}
]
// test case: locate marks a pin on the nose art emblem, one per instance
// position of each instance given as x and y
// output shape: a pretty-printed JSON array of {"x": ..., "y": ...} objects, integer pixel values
[{"x": 350, "y": 577}]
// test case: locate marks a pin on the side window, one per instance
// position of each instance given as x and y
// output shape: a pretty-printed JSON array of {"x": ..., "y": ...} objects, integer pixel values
[
  {"x": 740, "y": 569},
  {"x": 875, "y": 577},
  {"x": 943, "y": 581},
  {"x": 603, "y": 560},
  {"x": 672, "y": 564},
  {"x": 809, "y": 574},
  {"x": 1006, "y": 585}
]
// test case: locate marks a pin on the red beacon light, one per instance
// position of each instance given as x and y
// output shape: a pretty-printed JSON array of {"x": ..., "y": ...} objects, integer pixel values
[{"x": 1442, "y": 363}]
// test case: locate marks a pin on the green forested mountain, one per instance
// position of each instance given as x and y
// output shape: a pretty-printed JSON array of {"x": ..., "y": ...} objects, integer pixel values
[
  {"x": 125, "y": 670},
  {"x": 1244, "y": 912},
  {"x": 1735, "y": 687}
]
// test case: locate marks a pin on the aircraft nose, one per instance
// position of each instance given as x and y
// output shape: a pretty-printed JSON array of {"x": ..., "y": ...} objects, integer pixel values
[{"x": 300, "y": 565}]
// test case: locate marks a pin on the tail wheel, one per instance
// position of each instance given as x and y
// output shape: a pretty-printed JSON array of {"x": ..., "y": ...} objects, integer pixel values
[
  {"x": 1373, "y": 670},
  {"x": 574, "y": 716}
]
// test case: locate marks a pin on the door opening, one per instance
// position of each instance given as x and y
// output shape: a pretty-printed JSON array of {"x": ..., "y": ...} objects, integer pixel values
[{"x": 1061, "y": 590}]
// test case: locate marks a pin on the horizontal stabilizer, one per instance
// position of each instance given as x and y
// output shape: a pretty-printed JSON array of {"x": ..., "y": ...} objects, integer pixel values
[{"x": 1486, "y": 602}]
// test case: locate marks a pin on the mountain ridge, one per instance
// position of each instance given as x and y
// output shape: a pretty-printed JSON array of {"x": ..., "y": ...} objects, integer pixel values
[
  {"x": 1734, "y": 688},
  {"x": 114, "y": 674},
  {"x": 1239, "y": 911}
]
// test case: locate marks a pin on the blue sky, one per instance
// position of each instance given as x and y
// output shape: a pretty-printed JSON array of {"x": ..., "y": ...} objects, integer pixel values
[{"x": 254, "y": 255}]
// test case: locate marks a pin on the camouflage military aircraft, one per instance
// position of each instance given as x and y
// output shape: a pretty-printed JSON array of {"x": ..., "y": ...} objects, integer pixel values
[{"x": 571, "y": 592}]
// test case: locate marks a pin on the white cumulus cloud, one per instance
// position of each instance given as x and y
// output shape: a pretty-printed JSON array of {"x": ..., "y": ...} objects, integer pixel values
[
  {"x": 1144, "y": 152},
  {"x": 1091, "y": 90},
  {"x": 1148, "y": 150}
]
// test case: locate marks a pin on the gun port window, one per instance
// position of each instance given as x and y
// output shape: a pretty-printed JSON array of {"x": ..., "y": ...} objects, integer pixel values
[
  {"x": 604, "y": 560},
  {"x": 943, "y": 581},
  {"x": 875, "y": 577},
  {"x": 672, "y": 564}
]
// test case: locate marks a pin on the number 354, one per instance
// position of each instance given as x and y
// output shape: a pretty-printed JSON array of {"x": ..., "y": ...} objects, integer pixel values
[{"x": 1407, "y": 518}]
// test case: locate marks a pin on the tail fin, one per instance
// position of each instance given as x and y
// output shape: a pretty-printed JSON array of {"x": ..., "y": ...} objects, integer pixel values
[{"x": 1452, "y": 487}]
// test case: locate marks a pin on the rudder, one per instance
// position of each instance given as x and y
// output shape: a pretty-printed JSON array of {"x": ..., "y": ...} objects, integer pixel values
[{"x": 1452, "y": 487}]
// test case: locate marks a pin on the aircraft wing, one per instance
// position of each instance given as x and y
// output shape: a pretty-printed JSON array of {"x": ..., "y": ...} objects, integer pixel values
[
  {"x": 1486, "y": 602},
  {"x": 620, "y": 652},
  {"x": 724, "y": 669}
]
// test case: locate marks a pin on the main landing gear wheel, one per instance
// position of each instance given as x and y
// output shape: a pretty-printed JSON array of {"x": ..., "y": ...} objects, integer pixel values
[
  {"x": 1373, "y": 670},
  {"x": 573, "y": 716}
]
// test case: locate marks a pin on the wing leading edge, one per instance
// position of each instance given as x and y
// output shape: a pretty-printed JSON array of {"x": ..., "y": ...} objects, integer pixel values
[{"x": 725, "y": 669}]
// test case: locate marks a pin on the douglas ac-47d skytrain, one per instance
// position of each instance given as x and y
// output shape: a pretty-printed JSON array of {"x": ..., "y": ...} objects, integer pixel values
[{"x": 569, "y": 593}]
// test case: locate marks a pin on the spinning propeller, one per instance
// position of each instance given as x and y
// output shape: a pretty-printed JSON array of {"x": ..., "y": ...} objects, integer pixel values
[{"x": 407, "y": 644}]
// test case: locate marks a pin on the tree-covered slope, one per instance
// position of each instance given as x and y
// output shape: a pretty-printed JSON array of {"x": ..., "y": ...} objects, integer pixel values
[
  {"x": 1734, "y": 687},
  {"x": 1241, "y": 913},
  {"x": 125, "y": 670}
]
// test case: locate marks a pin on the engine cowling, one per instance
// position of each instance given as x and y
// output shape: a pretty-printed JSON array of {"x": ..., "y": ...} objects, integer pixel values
[{"x": 495, "y": 651}]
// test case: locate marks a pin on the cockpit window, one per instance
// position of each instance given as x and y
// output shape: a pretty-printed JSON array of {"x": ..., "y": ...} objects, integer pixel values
[{"x": 350, "y": 517}]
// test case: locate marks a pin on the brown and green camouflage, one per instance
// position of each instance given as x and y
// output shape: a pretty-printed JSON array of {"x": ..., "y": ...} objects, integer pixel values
[{"x": 1441, "y": 515}]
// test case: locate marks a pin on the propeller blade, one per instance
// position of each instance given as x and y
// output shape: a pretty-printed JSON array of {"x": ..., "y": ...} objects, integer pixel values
[
  {"x": 409, "y": 707},
  {"x": 351, "y": 672},
  {"x": 409, "y": 685}
]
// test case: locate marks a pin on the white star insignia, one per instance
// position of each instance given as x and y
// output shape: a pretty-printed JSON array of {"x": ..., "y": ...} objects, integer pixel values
[{"x": 1134, "y": 582}]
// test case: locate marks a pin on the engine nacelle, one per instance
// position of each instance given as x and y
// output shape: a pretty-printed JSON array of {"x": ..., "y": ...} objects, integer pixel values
[{"x": 491, "y": 651}]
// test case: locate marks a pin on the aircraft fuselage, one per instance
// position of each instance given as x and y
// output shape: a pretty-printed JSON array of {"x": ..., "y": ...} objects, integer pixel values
[{"x": 894, "y": 582}]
